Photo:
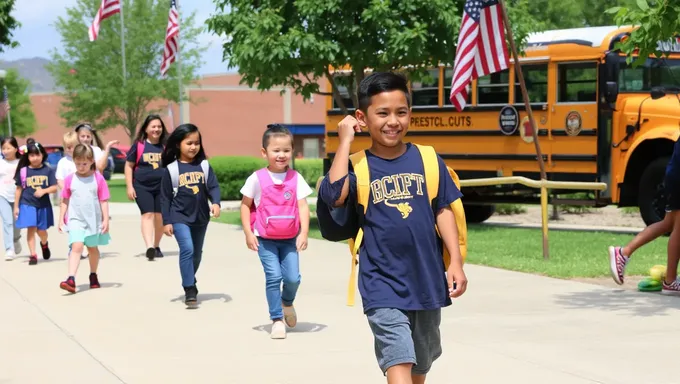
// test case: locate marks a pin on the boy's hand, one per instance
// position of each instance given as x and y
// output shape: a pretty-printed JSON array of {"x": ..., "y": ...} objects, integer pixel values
[
  {"x": 168, "y": 230},
  {"x": 301, "y": 242},
  {"x": 458, "y": 276},
  {"x": 216, "y": 209},
  {"x": 251, "y": 241},
  {"x": 347, "y": 127}
]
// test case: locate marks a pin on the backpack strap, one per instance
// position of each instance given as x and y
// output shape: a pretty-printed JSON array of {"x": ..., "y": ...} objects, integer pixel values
[
  {"x": 205, "y": 166},
  {"x": 22, "y": 173},
  {"x": 360, "y": 166},
  {"x": 140, "y": 151},
  {"x": 431, "y": 167},
  {"x": 173, "y": 169}
]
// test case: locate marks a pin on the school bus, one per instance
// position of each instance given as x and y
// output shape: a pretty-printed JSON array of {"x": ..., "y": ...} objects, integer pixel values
[{"x": 598, "y": 120}]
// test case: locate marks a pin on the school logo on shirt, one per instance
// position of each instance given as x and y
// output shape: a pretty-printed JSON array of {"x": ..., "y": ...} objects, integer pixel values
[
  {"x": 36, "y": 182},
  {"x": 395, "y": 191},
  {"x": 153, "y": 159},
  {"x": 287, "y": 195},
  {"x": 191, "y": 180}
]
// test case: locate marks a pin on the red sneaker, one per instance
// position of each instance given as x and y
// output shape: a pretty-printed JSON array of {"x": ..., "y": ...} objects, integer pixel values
[
  {"x": 68, "y": 285},
  {"x": 617, "y": 264},
  {"x": 94, "y": 282}
]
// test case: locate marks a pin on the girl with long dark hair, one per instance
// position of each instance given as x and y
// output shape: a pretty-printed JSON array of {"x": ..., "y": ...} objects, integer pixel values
[
  {"x": 187, "y": 186},
  {"x": 35, "y": 181},
  {"x": 143, "y": 175}
]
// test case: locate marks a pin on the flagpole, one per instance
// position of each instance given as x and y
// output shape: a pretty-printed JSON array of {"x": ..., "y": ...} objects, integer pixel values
[
  {"x": 537, "y": 146},
  {"x": 9, "y": 122},
  {"x": 122, "y": 43},
  {"x": 179, "y": 62}
]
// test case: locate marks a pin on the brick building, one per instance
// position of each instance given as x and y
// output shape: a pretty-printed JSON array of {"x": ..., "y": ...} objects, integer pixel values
[{"x": 231, "y": 117}]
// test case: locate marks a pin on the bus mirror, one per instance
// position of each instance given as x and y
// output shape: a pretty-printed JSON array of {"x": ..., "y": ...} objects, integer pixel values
[
  {"x": 657, "y": 93},
  {"x": 612, "y": 92}
]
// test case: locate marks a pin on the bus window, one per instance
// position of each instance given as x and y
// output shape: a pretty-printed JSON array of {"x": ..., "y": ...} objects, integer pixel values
[
  {"x": 494, "y": 88},
  {"x": 341, "y": 82},
  {"x": 577, "y": 83},
  {"x": 425, "y": 93},
  {"x": 448, "y": 77},
  {"x": 654, "y": 73},
  {"x": 536, "y": 79}
]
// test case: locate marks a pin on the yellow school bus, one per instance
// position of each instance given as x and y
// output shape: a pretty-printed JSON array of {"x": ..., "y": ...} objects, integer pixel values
[{"x": 596, "y": 118}]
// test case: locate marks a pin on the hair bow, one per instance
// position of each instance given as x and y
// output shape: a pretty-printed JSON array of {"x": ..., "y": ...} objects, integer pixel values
[{"x": 23, "y": 149}]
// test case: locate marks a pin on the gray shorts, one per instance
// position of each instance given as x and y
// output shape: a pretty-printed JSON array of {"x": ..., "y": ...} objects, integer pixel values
[{"x": 406, "y": 337}]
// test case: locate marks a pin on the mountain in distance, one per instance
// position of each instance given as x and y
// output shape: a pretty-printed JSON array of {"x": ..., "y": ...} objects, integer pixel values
[{"x": 33, "y": 70}]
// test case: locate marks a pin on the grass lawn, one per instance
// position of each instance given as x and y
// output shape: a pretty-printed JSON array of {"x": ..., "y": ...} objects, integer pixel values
[
  {"x": 118, "y": 191},
  {"x": 572, "y": 254}
]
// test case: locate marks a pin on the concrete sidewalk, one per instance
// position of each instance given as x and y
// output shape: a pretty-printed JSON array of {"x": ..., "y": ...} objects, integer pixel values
[{"x": 509, "y": 327}]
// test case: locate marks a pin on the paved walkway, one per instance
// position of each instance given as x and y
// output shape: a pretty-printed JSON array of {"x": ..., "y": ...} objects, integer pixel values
[{"x": 509, "y": 327}]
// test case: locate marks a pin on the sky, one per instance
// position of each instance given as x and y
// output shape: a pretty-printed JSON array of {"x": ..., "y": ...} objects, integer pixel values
[{"x": 37, "y": 35}]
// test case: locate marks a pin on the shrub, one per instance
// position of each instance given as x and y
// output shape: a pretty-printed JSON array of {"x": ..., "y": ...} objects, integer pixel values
[
  {"x": 510, "y": 209},
  {"x": 232, "y": 172}
]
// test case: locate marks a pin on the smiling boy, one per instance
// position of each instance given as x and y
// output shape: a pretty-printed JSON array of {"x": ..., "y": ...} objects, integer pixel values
[{"x": 402, "y": 278}]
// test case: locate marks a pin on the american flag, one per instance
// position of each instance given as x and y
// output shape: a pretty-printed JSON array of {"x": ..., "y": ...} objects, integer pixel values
[
  {"x": 106, "y": 10},
  {"x": 4, "y": 104},
  {"x": 171, "y": 38},
  {"x": 481, "y": 49}
]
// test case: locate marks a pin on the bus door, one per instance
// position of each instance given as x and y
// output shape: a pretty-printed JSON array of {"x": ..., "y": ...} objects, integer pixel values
[{"x": 574, "y": 121}]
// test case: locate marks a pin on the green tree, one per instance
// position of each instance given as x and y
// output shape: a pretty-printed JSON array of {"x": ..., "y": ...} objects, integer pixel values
[
  {"x": 7, "y": 25},
  {"x": 91, "y": 72},
  {"x": 296, "y": 43},
  {"x": 658, "y": 21},
  {"x": 21, "y": 111}
]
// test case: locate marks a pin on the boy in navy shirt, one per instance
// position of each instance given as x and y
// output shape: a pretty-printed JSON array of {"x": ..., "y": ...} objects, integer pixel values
[{"x": 402, "y": 277}]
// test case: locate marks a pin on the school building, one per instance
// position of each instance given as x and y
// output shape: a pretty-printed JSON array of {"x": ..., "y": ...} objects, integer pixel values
[{"x": 231, "y": 117}]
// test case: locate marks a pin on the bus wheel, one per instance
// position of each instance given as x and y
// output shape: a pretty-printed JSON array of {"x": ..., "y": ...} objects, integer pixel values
[
  {"x": 652, "y": 195},
  {"x": 478, "y": 213}
]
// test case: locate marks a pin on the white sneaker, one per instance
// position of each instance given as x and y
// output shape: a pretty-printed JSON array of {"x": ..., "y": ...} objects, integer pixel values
[
  {"x": 9, "y": 256},
  {"x": 278, "y": 330}
]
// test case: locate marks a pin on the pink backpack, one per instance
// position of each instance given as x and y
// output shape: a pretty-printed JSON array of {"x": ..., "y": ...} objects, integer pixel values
[{"x": 277, "y": 216}]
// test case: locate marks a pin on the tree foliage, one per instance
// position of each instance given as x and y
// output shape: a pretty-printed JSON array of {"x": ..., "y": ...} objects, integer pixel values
[
  {"x": 91, "y": 72},
  {"x": 658, "y": 21},
  {"x": 21, "y": 111},
  {"x": 296, "y": 43},
  {"x": 7, "y": 25}
]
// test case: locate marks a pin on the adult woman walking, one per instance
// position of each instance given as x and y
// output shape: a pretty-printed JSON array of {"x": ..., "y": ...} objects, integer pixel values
[{"x": 143, "y": 174}]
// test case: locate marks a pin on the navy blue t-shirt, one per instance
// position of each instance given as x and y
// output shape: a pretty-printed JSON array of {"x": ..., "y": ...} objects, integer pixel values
[
  {"x": 148, "y": 173},
  {"x": 190, "y": 205},
  {"x": 36, "y": 178},
  {"x": 400, "y": 259}
]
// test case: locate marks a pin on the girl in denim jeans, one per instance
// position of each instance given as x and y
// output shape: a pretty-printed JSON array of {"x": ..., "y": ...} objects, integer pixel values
[
  {"x": 188, "y": 183},
  {"x": 275, "y": 218}
]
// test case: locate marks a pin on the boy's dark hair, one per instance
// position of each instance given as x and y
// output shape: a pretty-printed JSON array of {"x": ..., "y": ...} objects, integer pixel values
[
  {"x": 379, "y": 82},
  {"x": 276, "y": 130},
  {"x": 172, "y": 151},
  {"x": 32, "y": 147},
  {"x": 141, "y": 135}
]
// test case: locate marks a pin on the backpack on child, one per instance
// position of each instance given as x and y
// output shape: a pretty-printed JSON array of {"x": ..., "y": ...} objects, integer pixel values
[
  {"x": 431, "y": 166},
  {"x": 139, "y": 153},
  {"x": 173, "y": 168},
  {"x": 277, "y": 216}
]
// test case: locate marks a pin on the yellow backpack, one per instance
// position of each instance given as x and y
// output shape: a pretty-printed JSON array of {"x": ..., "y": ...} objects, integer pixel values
[{"x": 431, "y": 166}]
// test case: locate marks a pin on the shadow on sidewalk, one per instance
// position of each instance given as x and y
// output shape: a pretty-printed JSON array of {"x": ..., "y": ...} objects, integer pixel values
[
  {"x": 635, "y": 303},
  {"x": 86, "y": 287},
  {"x": 165, "y": 254},
  {"x": 301, "y": 327},
  {"x": 202, "y": 297}
]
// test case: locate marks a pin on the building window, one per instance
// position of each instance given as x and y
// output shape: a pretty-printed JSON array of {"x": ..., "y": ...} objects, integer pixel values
[
  {"x": 536, "y": 79},
  {"x": 494, "y": 88},
  {"x": 577, "y": 83},
  {"x": 448, "y": 77},
  {"x": 310, "y": 148},
  {"x": 425, "y": 92}
]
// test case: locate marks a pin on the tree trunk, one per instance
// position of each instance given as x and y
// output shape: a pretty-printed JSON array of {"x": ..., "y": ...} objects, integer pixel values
[{"x": 336, "y": 93}]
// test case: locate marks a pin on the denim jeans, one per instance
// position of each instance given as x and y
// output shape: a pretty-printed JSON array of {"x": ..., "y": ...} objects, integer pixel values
[
  {"x": 10, "y": 233},
  {"x": 190, "y": 241},
  {"x": 280, "y": 261}
]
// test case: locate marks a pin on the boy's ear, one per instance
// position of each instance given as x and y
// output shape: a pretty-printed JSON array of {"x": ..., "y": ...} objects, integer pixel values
[{"x": 361, "y": 118}]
